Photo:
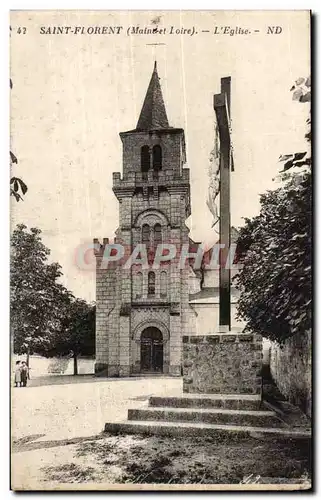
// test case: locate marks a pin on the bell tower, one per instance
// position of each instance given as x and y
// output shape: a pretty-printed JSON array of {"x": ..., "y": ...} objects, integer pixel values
[
  {"x": 148, "y": 307},
  {"x": 153, "y": 146}
]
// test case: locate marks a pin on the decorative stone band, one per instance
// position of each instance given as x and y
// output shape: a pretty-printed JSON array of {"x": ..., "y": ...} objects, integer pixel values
[{"x": 224, "y": 363}]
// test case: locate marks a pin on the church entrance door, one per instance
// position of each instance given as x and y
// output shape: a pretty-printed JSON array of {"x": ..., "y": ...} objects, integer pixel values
[{"x": 151, "y": 359}]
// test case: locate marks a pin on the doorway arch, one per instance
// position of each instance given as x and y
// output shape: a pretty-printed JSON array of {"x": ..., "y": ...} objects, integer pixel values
[{"x": 151, "y": 350}]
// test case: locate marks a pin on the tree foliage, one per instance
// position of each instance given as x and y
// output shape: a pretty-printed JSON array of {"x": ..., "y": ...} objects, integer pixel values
[
  {"x": 275, "y": 281},
  {"x": 17, "y": 186},
  {"x": 37, "y": 297},
  {"x": 45, "y": 317},
  {"x": 77, "y": 333}
]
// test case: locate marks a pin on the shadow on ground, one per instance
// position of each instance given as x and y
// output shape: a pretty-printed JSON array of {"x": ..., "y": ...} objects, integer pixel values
[
  {"x": 291, "y": 416},
  {"x": 80, "y": 379},
  {"x": 29, "y": 443},
  {"x": 153, "y": 460}
]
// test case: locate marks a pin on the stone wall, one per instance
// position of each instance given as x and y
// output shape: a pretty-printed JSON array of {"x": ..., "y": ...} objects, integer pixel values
[
  {"x": 222, "y": 364},
  {"x": 40, "y": 366},
  {"x": 291, "y": 369},
  {"x": 108, "y": 303}
]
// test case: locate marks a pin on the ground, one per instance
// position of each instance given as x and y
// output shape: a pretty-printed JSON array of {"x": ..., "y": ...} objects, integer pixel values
[{"x": 57, "y": 438}]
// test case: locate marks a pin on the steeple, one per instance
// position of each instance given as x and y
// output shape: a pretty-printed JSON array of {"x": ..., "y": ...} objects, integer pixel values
[{"x": 153, "y": 114}]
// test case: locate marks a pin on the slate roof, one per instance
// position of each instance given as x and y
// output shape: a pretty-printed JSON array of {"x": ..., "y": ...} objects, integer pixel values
[
  {"x": 211, "y": 295},
  {"x": 153, "y": 114},
  {"x": 193, "y": 247}
]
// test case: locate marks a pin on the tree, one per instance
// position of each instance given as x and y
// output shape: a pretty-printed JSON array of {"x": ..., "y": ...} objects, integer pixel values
[
  {"x": 275, "y": 247},
  {"x": 77, "y": 334},
  {"x": 37, "y": 297},
  {"x": 17, "y": 185}
]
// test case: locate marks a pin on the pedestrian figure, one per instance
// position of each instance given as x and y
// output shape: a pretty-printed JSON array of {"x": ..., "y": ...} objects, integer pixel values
[
  {"x": 24, "y": 374},
  {"x": 17, "y": 375}
]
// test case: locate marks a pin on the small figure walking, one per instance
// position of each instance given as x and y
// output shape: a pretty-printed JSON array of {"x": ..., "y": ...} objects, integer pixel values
[
  {"x": 17, "y": 375},
  {"x": 24, "y": 374}
]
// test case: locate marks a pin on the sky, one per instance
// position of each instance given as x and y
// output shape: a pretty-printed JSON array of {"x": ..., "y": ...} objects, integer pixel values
[{"x": 73, "y": 94}]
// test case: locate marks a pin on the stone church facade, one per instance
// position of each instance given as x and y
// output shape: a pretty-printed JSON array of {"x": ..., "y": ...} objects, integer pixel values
[{"x": 142, "y": 313}]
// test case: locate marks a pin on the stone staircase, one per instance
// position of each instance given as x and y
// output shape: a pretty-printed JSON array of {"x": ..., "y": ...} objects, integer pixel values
[{"x": 206, "y": 414}]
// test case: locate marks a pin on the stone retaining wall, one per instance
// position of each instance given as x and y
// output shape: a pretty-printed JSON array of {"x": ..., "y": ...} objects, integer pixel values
[
  {"x": 222, "y": 364},
  {"x": 291, "y": 370},
  {"x": 40, "y": 366}
]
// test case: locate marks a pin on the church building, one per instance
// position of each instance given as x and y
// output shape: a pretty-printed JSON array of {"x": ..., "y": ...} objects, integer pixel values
[{"x": 142, "y": 313}]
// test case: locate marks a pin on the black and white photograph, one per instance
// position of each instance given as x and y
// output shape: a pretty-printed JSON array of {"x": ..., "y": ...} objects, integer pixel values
[{"x": 160, "y": 250}]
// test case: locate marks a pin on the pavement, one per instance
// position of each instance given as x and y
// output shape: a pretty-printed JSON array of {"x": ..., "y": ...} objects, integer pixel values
[
  {"x": 66, "y": 407},
  {"x": 55, "y": 411}
]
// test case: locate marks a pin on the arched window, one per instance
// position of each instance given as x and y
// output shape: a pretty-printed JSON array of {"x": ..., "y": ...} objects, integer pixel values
[
  {"x": 138, "y": 286},
  {"x": 145, "y": 233},
  {"x": 151, "y": 283},
  {"x": 157, "y": 234},
  {"x": 163, "y": 284},
  {"x": 144, "y": 160},
  {"x": 157, "y": 157}
]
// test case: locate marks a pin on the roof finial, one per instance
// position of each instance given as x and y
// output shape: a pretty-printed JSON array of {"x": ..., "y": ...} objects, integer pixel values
[{"x": 155, "y": 66}]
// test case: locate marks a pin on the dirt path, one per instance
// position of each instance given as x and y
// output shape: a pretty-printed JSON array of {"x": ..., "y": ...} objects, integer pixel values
[
  {"x": 57, "y": 441},
  {"x": 151, "y": 460}
]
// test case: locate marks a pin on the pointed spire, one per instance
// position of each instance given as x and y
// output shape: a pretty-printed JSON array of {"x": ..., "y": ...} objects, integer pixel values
[{"x": 153, "y": 114}]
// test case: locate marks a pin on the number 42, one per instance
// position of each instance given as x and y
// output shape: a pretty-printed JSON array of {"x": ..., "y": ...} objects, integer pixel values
[{"x": 21, "y": 31}]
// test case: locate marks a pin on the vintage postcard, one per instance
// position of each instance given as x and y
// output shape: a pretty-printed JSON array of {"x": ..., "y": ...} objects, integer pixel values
[{"x": 160, "y": 250}]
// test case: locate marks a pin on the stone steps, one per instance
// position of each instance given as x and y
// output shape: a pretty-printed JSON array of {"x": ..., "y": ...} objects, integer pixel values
[
  {"x": 224, "y": 416},
  {"x": 211, "y": 416},
  {"x": 228, "y": 402},
  {"x": 183, "y": 429}
]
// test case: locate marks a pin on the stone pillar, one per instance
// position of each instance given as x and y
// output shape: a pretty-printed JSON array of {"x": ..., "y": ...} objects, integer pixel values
[
  {"x": 113, "y": 293},
  {"x": 101, "y": 364},
  {"x": 175, "y": 362},
  {"x": 124, "y": 346},
  {"x": 135, "y": 346},
  {"x": 166, "y": 356},
  {"x": 124, "y": 320}
]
